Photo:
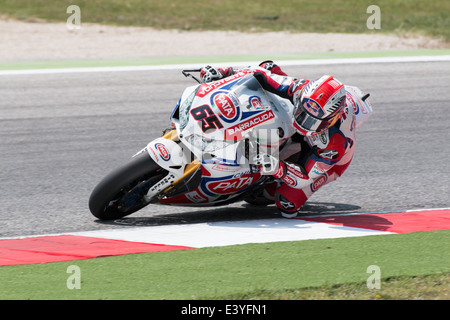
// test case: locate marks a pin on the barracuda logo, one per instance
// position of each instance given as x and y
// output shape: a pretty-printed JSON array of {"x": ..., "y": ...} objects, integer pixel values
[{"x": 250, "y": 123}]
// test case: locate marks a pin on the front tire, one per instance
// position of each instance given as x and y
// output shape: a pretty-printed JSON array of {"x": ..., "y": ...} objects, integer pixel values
[{"x": 122, "y": 192}]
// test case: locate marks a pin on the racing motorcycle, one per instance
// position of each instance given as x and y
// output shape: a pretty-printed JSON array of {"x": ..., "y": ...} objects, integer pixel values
[{"x": 207, "y": 157}]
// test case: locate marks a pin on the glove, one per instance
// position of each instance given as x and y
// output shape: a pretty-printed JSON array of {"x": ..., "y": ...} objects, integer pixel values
[
  {"x": 272, "y": 67},
  {"x": 290, "y": 174},
  {"x": 209, "y": 74}
]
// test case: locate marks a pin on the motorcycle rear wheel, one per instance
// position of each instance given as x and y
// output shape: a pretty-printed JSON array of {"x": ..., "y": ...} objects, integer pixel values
[{"x": 122, "y": 192}]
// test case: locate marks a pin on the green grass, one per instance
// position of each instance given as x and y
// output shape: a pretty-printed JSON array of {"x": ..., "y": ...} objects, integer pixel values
[
  {"x": 428, "y": 287},
  {"x": 349, "y": 16},
  {"x": 397, "y": 17},
  {"x": 287, "y": 270}
]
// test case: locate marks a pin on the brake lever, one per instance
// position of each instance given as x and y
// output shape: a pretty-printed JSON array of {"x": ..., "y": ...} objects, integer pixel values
[{"x": 187, "y": 73}]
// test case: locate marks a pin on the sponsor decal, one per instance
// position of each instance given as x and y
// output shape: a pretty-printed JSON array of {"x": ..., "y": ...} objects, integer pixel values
[
  {"x": 363, "y": 108},
  {"x": 236, "y": 130},
  {"x": 280, "y": 173},
  {"x": 319, "y": 182},
  {"x": 206, "y": 118},
  {"x": 353, "y": 103},
  {"x": 225, "y": 168},
  {"x": 323, "y": 137},
  {"x": 228, "y": 184},
  {"x": 316, "y": 139},
  {"x": 312, "y": 107},
  {"x": 195, "y": 196},
  {"x": 286, "y": 204},
  {"x": 155, "y": 156},
  {"x": 293, "y": 175},
  {"x": 227, "y": 104},
  {"x": 289, "y": 180},
  {"x": 345, "y": 113},
  {"x": 328, "y": 154},
  {"x": 296, "y": 85},
  {"x": 354, "y": 96},
  {"x": 162, "y": 184},
  {"x": 296, "y": 172},
  {"x": 163, "y": 153},
  {"x": 206, "y": 88},
  {"x": 255, "y": 103}
]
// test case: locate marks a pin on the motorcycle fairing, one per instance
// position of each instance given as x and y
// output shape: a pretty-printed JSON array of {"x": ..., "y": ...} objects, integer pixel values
[{"x": 213, "y": 120}]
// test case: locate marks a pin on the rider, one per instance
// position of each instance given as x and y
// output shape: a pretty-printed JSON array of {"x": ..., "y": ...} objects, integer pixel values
[{"x": 325, "y": 138}]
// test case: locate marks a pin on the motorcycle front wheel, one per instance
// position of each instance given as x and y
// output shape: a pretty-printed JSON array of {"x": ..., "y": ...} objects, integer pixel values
[{"x": 122, "y": 192}]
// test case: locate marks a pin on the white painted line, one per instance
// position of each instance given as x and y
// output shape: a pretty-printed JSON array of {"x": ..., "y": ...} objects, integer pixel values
[
  {"x": 366, "y": 60},
  {"x": 94, "y": 69},
  {"x": 195, "y": 66},
  {"x": 232, "y": 232}
]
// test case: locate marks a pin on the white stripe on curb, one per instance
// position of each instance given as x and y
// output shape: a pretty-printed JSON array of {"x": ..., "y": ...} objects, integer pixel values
[{"x": 227, "y": 233}]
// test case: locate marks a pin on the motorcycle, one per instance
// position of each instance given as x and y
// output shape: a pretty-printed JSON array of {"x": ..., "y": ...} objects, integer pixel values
[{"x": 207, "y": 158}]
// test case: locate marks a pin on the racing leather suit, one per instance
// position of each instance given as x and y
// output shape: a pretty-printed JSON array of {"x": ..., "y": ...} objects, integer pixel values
[{"x": 310, "y": 161}]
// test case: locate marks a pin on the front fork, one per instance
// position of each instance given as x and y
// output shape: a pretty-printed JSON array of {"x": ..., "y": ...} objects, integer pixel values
[{"x": 168, "y": 154}]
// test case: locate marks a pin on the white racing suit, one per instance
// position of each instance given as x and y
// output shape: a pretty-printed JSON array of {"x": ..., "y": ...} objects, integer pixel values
[{"x": 310, "y": 162}]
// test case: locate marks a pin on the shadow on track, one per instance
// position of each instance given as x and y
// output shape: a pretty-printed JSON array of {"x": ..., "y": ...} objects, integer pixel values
[{"x": 218, "y": 214}]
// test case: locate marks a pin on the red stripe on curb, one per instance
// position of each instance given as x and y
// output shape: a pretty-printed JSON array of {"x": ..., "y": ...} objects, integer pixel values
[
  {"x": 69, "y": 247},
  {"x": 397, "y": 222}
]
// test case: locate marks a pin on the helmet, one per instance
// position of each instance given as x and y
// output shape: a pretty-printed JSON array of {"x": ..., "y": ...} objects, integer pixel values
[{"x": 319, "y": 105}]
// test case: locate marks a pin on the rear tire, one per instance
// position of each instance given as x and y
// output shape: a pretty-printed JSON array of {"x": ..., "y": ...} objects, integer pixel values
[{"x": 122, "y": 191}]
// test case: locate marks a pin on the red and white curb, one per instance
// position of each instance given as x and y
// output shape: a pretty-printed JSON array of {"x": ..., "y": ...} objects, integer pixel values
[{"x": 101, "y": 243}]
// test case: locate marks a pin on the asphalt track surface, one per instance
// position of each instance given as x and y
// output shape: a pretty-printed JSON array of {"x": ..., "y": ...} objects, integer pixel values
[{"x": 61, "y": 133}]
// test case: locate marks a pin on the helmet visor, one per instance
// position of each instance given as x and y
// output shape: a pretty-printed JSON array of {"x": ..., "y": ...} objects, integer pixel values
[{"x": 312, "y": 124}]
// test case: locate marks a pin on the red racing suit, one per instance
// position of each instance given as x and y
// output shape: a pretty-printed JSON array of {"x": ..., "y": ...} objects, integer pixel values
[{"x": 310, "y": 162}]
